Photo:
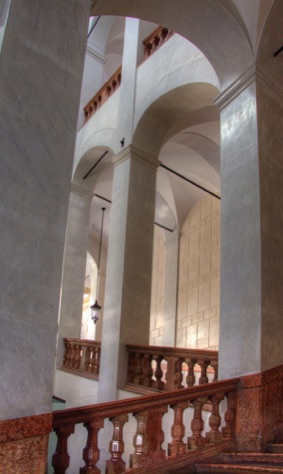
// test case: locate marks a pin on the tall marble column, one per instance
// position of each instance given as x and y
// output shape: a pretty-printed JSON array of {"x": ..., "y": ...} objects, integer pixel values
[
  {"x": 129, "y": 266},
  {"x": 170, "y": 290},
  {"x": 251, "y": 322},
  {"x": 74, "y": 266},
  {"x": 41, "y": 66}
]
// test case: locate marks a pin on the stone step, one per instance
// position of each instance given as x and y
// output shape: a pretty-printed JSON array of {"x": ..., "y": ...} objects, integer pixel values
[
  {"x": 237, "y": 463},
  {"x": 276, "y": 448},
  {"x": 223, "y": 468}
]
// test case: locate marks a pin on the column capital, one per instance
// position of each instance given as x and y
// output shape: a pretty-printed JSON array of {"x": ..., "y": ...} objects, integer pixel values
[
  {"x": 236, "y": 87},
  {"x": 83, "y": 192},
  {"x": 254, "y": 73},
  {"x": 136, "y": 153}
]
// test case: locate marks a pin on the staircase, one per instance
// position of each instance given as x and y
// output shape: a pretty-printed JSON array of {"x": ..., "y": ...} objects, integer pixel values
[{"x": 241, "y": 463}]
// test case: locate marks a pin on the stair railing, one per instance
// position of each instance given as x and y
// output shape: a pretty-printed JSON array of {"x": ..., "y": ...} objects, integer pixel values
[{"x": 148, "y": 455}]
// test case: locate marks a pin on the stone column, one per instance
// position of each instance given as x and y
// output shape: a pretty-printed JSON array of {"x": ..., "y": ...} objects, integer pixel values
[
  {"x": 41, "y": 65},
  {"x": 74, "y": 266},
  {"x": 170, "y": 290},
  {"x": 129, "y": 266},
  {"x": 251, "y": 322}
]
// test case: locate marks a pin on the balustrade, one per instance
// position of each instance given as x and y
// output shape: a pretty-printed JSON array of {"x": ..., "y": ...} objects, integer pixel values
[
  {"x": 82, "y": 356},
  {"x": 170, "y": 368},
  {"x": 103, "y": 94},
  {"x": 148, "y": 453},
  {"x": 156, "y": 39}
]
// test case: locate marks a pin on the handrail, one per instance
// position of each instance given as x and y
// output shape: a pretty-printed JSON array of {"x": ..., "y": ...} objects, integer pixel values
[
  {"x": 149, "y": 456},
  {"x": 148, "y": 402}
]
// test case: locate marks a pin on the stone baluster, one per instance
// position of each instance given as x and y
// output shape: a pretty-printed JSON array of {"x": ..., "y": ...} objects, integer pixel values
[
  {"x": 197, "y": 441},
  {"x": 115, "y": 464},
  {"x": 177, "y": 446},
  {"x": 61, "y": 457},
  {"x": 91, "y": 359},
  {"x": 147, "y": 370},
  {"x": 174, "y": 376},
  {"x": 131, "y": 367},
  {"x": 66, "y": 355},
  {"x": 138, "y": 368},
  {"x": 230, "y": 416},
  {"x": 158, "y": 373},
  {"x": 214, "y": 436},
  {"x": 190, "y": 379},
  {"x": 91, "y": 451},
  {"x": 96, "y": 360},
  {"x": 203, "y": 365},
  {"x": 78, "y": 354},
  {"x": 178, "y": 376},
  {"x": 148, "y": 438},
  {"x": 214, "y": 365},
  {"x": 87, "y": 359}
]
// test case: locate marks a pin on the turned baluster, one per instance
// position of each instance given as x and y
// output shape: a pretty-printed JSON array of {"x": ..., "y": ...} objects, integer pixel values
[
  {"x": 178, "y": 377},
  {"x": 66, "y": 355},
  {"x": 91, "y": 451},
  {"x": 77, "y": 358},
  {"x": 61, "y": 457},
  {"x": 190, "y": 379},
  {"x": 138, "y": 369},
  {"x": 158, "y": 373},
  {"x": 214, "y": 436},
  {"x": 131, "y": 367},
  {"x": 96, "y": 360},
  {"x": 147, "y": 370},
  {"x": 91, "y": 359},
  {"x": 230, "y": 416},
  {"x": 87, "y": 359},
  {"x": 177, "y": 446},
  {"x": 203, "y": 365},
  {"x": 197, "y": 441},
  {"x": 148, "y": 438},
  {"x": 214, "y": 365},
  {"x": 115, "y": 464}
]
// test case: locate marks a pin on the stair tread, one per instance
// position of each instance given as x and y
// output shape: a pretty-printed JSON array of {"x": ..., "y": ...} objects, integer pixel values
[{"x": 263, "y": 467}]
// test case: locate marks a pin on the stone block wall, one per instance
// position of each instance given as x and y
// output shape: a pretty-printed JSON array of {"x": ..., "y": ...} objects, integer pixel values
[
  {"x": 157, "y": 288},
  {"x": 199, "y": 279}
]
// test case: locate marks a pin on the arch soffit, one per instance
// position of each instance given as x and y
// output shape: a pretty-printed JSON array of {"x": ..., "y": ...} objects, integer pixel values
[
  {"x": 186, "y": 105},
  {"x": 210, "y": 25},
  {"x": 87, "y": 161},
  {"x": 191, "y": 72}
]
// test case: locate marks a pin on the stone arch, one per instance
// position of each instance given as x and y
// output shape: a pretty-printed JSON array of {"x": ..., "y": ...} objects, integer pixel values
[
  {"x": 211, "y": 26},
  {"x": 177, "y": 105}
]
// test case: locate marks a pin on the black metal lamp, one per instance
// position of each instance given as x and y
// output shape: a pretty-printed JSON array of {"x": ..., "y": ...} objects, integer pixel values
[{"x": 95, "y": 308}]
